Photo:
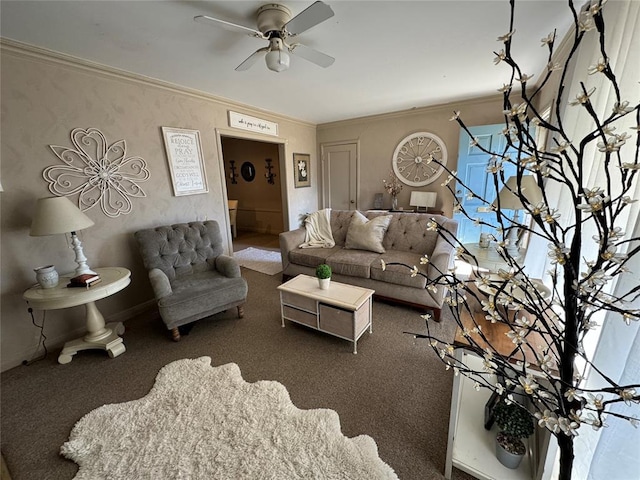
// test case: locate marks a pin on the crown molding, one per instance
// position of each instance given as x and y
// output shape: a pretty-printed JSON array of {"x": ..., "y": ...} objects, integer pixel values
[
  {"x": 448, "y": 107},
  {"x": 19, "y": 49}
]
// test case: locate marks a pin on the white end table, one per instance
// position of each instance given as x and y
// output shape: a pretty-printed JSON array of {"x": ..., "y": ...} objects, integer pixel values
[{"x": 99, "y": 335}]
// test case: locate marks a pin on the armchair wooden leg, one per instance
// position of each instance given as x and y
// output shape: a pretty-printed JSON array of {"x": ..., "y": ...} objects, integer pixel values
[
  {"x": 436, "y": 314},
  {"x": 240, "y": 311},
  {"x": 175, "y": 334}
]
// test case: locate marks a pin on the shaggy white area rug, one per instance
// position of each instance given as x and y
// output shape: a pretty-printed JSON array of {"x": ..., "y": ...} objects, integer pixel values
[
  {"x": 263, "y": 261},
  {"x": 204, "y": 422}
]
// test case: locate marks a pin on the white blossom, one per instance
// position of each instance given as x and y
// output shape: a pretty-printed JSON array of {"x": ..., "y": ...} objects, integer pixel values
[
  {"x": 548, "y": 40},
  {"x": 595, "y": 400},
  {"x": 528, "y": 384},
  {"x": 524, "y": 78},
  {"x": 594, "y": 421},
  {"x": 598, "y": 67},
  {"x": 567, "y": 426},
  {"x": 558, "y": 254},
  {"x": 628, "y": 395},
  {"x": 548, "y": 419},
  {"x": 582, "y": 97},
  {"x": 621, "y": 108},
  {"x": 506, "y": 36},
  {"x": 517, "y": 335},
  {"x": 547, "y": 363}
]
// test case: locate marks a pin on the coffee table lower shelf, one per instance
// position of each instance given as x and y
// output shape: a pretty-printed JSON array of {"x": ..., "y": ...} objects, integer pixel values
[{"x": 344, "y": 311}]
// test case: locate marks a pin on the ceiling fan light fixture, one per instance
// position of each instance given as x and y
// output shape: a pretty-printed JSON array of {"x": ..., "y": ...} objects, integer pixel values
[{"x": 277, "y": 60}]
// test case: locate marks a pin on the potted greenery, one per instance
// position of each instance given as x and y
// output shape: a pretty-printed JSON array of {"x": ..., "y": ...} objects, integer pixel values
[
  {"x": 323, "y": 272},
  {"x": 515, "y": 422}
]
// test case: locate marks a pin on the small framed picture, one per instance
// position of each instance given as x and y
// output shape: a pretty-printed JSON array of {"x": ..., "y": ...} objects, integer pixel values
[{"x": 301, "y": 170}]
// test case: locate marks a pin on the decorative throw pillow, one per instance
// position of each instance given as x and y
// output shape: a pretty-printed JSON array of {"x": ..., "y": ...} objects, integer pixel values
[{"x": 365, "y": 234}]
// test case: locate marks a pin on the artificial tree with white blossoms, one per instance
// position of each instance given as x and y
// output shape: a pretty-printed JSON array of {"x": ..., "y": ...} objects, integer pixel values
[{"x": 581, "y": 274}]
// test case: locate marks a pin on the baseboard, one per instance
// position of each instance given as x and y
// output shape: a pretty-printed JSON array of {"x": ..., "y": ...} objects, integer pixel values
[
  {"x": 132, "y": 312},
  {"x": 4, "y": 471},
  {"x": 58, "y": 341}
]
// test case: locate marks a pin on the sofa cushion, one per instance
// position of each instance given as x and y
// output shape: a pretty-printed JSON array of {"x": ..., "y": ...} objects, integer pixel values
[
  {"x": 365, "y": 234},
  {"x": 340, "y": 221},
  {"x": 311, "y": 257},
  {"x": 192, "y": 294},
  {"x": 399, "y": 274},
  {"x": 354, "y": 263},
  {"x": 409, "y": 232}
]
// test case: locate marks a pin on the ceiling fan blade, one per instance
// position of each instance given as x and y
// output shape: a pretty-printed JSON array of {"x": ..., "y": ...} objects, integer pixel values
[
  {"x": 253, "y": 58},
  {"x": 312, "y": 55},
  {"x": 228, "y": 26},
  {"x": 316, "y": 13}
]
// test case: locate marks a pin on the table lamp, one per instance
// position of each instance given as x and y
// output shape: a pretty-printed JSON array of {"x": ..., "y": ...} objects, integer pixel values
[
  {"x": 55, "y": 215},
  {"x": 423, "y": 199},
  {"x": 510, "y": 200}
]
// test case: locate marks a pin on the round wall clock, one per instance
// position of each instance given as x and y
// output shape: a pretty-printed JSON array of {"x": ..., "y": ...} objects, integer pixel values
[
  {"x": 248, "y": 171},
  {"x": 413, "y": 159}
]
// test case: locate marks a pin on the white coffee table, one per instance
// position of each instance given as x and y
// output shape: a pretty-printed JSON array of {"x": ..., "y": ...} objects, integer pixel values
[
  {"x": 342, "y": 310},
  {"x": 99, "y": 335}
]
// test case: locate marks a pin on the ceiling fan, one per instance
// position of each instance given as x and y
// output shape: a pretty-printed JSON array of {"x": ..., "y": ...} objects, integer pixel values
[{"x": 275, "y": 24}]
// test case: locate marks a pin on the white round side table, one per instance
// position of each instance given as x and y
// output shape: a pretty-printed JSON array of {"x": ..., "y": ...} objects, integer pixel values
[{"x": 98, "y": 336}]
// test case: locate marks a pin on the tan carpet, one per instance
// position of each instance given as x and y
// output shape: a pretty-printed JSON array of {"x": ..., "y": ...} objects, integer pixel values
[{"x": 394, "y": 390}]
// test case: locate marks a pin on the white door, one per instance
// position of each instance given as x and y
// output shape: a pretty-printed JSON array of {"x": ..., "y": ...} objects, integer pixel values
[{"x": 339, "y": 176}]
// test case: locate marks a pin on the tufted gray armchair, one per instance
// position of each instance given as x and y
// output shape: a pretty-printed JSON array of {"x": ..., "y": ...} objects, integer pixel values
[{"x": 190, "y": 277}]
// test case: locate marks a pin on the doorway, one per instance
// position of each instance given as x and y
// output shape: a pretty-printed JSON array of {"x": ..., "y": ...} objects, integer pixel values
[
  {"x": 472, "y": 170},
  {"x": 253, "y": 177},
  {"x": 339, "y": 175}
]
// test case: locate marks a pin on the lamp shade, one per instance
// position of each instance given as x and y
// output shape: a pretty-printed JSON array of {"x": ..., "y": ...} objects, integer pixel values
[
  {"x": 55, "y": 215},
  {"x": 509, "y": 199},
  {"x": 423, "y": 199}
]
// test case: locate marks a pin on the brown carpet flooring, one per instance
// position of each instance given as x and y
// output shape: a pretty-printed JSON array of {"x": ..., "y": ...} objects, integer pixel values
[{"x": 395, "y": 389}]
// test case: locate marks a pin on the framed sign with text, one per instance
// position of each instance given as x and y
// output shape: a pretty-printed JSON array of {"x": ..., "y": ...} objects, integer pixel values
[
  {"x": 252, "y": 124},
  {"x": 186, "y": 163}
]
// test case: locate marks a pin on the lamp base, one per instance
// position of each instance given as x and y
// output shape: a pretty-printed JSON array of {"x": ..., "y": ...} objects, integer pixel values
[{"x": 81, "y": 260}]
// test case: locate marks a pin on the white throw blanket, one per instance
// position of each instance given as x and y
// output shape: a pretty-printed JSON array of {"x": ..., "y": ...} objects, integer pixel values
[{"x": 318, "y": 230}]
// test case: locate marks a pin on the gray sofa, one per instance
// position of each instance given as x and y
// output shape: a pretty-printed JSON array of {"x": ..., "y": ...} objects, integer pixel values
[{"x": 406, "y": 240}]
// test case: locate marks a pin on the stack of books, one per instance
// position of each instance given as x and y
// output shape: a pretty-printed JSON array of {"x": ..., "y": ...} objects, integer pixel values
[{"x": 86, "y": 280}]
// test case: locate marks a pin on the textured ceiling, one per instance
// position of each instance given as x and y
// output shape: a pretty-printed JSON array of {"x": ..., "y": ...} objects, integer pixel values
[{"x": 389, "y": 55}]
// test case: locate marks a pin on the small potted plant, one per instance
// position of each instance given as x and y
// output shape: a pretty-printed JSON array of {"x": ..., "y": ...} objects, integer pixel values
[
  {"x": 515, "y": 422},
  {"x": 323, "y": 272}
]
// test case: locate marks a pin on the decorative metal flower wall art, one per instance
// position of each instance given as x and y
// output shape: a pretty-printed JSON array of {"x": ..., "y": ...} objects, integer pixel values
[{"x": 100, "y": 173}]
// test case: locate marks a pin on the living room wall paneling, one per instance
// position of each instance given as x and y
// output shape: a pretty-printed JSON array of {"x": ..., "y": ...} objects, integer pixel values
[
  {"x": 379, "y": 135},
  {"x": 44, "y": 95}
]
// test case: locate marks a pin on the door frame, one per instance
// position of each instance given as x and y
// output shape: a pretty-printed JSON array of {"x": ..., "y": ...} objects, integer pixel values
[
  {"x": 323, "y": 172},
  {"x": 282, "y": 153}
]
